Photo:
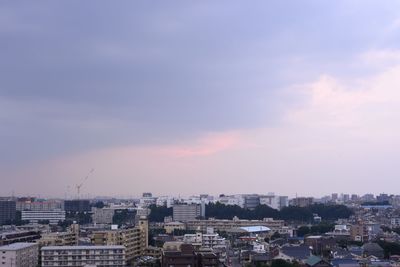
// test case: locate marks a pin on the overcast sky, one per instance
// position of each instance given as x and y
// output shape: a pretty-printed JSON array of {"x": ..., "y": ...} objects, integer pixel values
[{"x": 189, "y": 97}]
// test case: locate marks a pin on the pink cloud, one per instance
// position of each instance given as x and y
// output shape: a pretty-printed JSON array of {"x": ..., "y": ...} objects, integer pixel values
[{"x": 205, "y": 146}]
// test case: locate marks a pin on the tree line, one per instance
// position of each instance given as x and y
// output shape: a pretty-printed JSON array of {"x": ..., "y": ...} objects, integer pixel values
[{"x": 291, "y": 213}]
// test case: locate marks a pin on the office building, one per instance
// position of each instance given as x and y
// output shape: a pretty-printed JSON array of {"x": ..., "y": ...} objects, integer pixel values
[
  {"x": 19, "y": 255},
  {"x": 83, "y": 256},
  {"x": 251, "y": 201},
  {"x": 36, "y": 216},
  {"x": 187, "y": 212},
  {"x": 302, "y": 201},
  {"x": 7, "y": 211}
]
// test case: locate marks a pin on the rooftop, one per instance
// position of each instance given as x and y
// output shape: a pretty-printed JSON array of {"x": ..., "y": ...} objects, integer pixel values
[
  {"x": 17, "y": 246},
  {"x": 81, "y": 247}
]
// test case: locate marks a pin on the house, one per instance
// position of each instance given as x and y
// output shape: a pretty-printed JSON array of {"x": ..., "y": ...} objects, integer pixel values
[
  {"x": 373, "y": 249},
  {"x": 294, "y": 253}
]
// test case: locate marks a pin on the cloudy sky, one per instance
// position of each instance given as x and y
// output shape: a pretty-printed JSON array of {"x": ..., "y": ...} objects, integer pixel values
[{"x": 188, "y": 97}]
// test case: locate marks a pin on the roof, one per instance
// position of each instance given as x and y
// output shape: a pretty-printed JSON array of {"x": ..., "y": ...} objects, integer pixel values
[
  {"x": 253, "y": 229},
  {"x": 372, "y": 247},
  {"x": 301, "y": 252},
  {"x": 345, "y": 262},
  {"x": 17, "y": 246},
  {"x": 313, "y": 260},
  {"x": 81, "y": 247}
]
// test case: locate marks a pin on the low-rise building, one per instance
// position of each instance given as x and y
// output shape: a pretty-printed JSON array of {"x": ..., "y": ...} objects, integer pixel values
[
  {"x": 102, "y": 216},
  {"x": 227, "y": 225},
  {"x": 19, "y": 255},
  {"x": 170, "y": 227},
  {"x": 35, "y": 216},
  {"x": 83, "y": 256},
  {"x": 7, "y": 238}
]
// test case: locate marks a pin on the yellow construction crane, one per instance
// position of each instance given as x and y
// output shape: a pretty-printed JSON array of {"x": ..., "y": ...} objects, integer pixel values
[{"x": 78, "y": 186}]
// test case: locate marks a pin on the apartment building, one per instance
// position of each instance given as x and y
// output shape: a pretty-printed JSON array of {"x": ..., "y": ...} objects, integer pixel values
[
  {"x": 99, "y": 256},
  {"x": 19, "y": 255},
  {"x": 133, "y": 238}
]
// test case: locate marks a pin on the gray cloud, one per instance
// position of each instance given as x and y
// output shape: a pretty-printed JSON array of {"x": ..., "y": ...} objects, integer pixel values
[{"x": 79, "y": 75}]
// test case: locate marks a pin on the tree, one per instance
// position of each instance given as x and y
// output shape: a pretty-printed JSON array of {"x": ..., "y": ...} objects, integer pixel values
[{"x": 158, "y": 213}]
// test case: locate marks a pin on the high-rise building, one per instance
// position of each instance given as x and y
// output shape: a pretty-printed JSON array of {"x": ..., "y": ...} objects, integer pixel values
[
  {"x": 19, "y": 255},
  {"x": 83, "y": 256},
  {"x": 77, "y": 205},
  {"x": 7, "y": 211},
  {"x": 251, "y": 201}
]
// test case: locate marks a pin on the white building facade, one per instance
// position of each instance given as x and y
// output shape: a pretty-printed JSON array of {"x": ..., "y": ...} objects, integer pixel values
[{"x": 19, "y": 255}]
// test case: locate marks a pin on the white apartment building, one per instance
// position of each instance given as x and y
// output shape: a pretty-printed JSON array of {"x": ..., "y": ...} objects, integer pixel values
[
  {"x": 19, "y": 255},
  {"x": 205, "y": 240},
  {"x": 34, "y": 216},
  {"x": 232, "y": 200},
  {"x": 99, "y": 256}
]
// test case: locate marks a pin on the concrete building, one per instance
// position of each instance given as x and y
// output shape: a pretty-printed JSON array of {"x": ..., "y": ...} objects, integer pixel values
[
  {"x": 228, "y": 225},
  {"x": 7, "y": 211},
  {"x": 35, "y": 216},
  {"x": 181, "y": 254},
  {"x": 273, "y": 201},
  {"x": 135, "y": 239},
  {"x": 102, "y": 216},
  {"x": 69, "y": 238},
  {"x": 171, "y": 226},
  {"x": 186, "y": 212},
  {"x": 7, "y": 238},
  {"x": 210, "y": 240},
  {"x": 19, "y": 255},
  {"x": 83, "y": 256},
  {"x": 251, "y": 201}
]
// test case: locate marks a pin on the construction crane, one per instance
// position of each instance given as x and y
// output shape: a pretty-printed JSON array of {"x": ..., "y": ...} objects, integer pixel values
[{"x": 78, "y": 186}]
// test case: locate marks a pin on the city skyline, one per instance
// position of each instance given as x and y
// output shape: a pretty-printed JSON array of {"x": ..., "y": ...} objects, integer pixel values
[{"x": 190, "y": 97}]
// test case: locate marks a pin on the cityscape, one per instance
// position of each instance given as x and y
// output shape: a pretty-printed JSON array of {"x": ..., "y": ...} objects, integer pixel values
[
  {"x": 201, "y": 230},
  {"x": 172, "y": 133}
]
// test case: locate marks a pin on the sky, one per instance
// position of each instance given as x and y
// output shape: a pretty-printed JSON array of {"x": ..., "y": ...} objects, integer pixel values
[{"x": 189, "y": 97}]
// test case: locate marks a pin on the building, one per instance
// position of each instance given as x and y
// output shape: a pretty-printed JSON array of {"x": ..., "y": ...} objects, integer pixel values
[
  {"x": 228, "y": 225},
  {"x": 77, "y": 205},
  {"x": 36, "y": 216},
  {"x": 181, "y": 254},
  {"x": 302, "y": 201},
  {"x": 273, "y": 201},
  {"x": 359, "y": 232},
  {"x": 7, "y": 211},
  {"x": 170, "y": 227},
  {"x": 19, "y": 255},
  {"x": 103, "y": 216},
  {"x": 7, "y": 238},
  {"x": 186, "y": 212},
  {"x": 209, "y": 240},
  {"x": 135, "y": 239},
  {"x": 251, "y": 201},
  {"x": 83, "y": 256},
  {"x": 69, "y": 238}
]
